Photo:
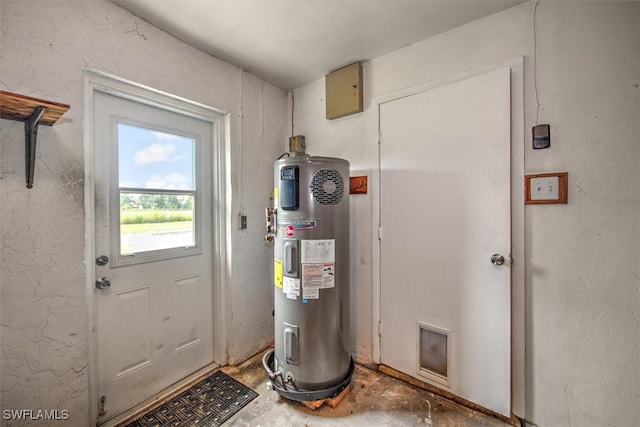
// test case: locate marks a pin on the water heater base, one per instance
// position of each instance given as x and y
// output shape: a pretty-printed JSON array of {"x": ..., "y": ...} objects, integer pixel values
[{"x": 306, "y": 395}]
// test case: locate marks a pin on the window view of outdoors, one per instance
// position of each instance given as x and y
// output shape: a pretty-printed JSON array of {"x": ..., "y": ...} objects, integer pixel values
[{"x": 157, "y": 190}]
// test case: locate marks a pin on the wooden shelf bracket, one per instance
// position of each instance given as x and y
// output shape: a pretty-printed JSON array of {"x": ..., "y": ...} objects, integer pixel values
[{"x": 33, "y": 112}]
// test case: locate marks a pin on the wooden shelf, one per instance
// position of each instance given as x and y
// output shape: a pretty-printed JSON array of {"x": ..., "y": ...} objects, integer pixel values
[
  {"x": 33, "y": 112},
  {"x": 20, "y": 107}
]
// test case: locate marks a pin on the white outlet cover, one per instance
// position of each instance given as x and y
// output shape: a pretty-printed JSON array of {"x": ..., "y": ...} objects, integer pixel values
[{"x": 545, "y": 188}]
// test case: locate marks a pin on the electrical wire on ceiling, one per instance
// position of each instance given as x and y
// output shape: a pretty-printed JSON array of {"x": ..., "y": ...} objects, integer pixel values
[
  {"x": 292, "y": 104},
  {"x": 286, "y": 154},
  {"x": 535, "y": 59}
]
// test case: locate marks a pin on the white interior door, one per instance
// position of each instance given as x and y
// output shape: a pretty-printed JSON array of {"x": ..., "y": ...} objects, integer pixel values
[
  {"x": 154, "y": 315},
  {"x": 444, "y": 211}
]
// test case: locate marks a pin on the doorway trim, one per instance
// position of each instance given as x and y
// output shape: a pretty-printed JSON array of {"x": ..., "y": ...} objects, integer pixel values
[
  {"x": 98, "y": 81},
  {"x": 518, "y": 138}
]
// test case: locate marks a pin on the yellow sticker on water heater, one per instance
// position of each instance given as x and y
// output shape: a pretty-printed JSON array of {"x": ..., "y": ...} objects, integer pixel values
[{"x": 277, "y": 270}]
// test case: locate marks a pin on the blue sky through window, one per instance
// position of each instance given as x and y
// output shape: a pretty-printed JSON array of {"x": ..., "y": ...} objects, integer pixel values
[{"x": 156, "y": 160}]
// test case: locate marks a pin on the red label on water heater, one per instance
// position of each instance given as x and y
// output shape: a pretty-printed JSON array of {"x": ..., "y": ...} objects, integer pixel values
[
  {"x": 289, "y": 230},
  {"x": 290, "y": 226}
]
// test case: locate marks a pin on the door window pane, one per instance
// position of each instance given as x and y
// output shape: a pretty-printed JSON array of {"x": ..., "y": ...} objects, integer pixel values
[
  {"x": 156, "y": 176},
  {"x": 150, "y": 222},
  {"x": 152, "y": 159}
]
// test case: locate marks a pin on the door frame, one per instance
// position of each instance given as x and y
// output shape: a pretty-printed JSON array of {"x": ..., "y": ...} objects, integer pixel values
[
  {"x": 518, "y": 138},
  {"x": 98, "y": 81}
]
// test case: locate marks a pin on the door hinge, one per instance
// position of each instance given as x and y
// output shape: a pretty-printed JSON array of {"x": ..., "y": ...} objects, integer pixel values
[
  {"x": 379, "y": 136},
  {"x": 101, "y": 411},
  {"x": 379, "y": 233},
  {"x": 380, "y": 328}
]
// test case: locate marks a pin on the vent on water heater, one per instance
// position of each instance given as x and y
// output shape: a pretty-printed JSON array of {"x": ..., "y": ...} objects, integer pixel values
[{"x": 327, "y": 187}]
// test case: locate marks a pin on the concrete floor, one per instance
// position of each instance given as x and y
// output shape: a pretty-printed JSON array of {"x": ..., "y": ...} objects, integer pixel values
[{"x": 375, "y": 399}]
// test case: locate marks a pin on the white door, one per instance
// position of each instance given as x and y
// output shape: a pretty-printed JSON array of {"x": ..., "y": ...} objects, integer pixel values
[
  {"x": 154, "y": 315},
  {"x": 444, "y": 211}
]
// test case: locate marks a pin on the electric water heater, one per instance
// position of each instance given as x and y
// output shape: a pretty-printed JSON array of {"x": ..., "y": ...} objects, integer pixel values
[{"x": 309, "y": 224}]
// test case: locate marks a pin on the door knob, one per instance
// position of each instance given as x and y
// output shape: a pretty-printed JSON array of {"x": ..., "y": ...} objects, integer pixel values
[
  {"x": 497, "y": 259},
  {"x": 103, "y": 283}
]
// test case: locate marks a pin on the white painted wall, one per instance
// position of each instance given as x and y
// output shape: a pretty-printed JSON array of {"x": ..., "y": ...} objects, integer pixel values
[
  {"x": 45, "y": 46},
  {"x": 582, "y": 259}
]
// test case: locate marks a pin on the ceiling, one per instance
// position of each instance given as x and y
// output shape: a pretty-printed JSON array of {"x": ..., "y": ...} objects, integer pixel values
[{"x": 292, "y": 42}]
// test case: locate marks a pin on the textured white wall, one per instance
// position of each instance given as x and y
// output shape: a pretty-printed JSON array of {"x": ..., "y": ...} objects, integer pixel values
[
  {"x": 263, "y": 134},
  {"x": 583, "y": 274},
  {"x": 582, "y": 259},
  {"x": 45, "y": 46}
]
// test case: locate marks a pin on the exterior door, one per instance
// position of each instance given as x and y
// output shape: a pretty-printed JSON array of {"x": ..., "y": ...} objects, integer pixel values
[
  {"x": 153, "y": 296},
  {"x": 444, "y": 211}
]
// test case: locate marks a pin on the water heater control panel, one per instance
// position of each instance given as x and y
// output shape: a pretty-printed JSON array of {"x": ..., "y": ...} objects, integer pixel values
[{"x": 289, "y": 188}]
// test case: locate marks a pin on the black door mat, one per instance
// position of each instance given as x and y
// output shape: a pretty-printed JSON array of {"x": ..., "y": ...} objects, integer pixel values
[{"x": 208, "y": 403}]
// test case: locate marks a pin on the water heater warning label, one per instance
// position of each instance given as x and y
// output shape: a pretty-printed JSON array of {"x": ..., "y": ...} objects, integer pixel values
[
  {"x": 277, "y": 272},
  {"x": 318, "y": 259},
  {"x": 310, "y": 293},
  {"x": 318, "y": 251},
  {"x": 291, "y": 287},
  {"x": 318, "y": 276}
]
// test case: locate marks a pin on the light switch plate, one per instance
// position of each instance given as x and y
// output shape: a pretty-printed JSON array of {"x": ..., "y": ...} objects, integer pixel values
[{"x": 546, "y": 188}]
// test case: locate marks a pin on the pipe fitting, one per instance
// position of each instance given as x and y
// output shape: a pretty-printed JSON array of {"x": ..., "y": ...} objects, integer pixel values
[
  {"x": 269, "y": 214},
  {"x": 265, "y": 364}
]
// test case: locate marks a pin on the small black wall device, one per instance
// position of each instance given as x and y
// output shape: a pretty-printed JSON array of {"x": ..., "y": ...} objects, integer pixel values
[{"x": 541, "y": 136}]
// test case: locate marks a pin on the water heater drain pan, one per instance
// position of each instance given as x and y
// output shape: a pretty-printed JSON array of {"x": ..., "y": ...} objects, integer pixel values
[{"x": 301, "y": 395}]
